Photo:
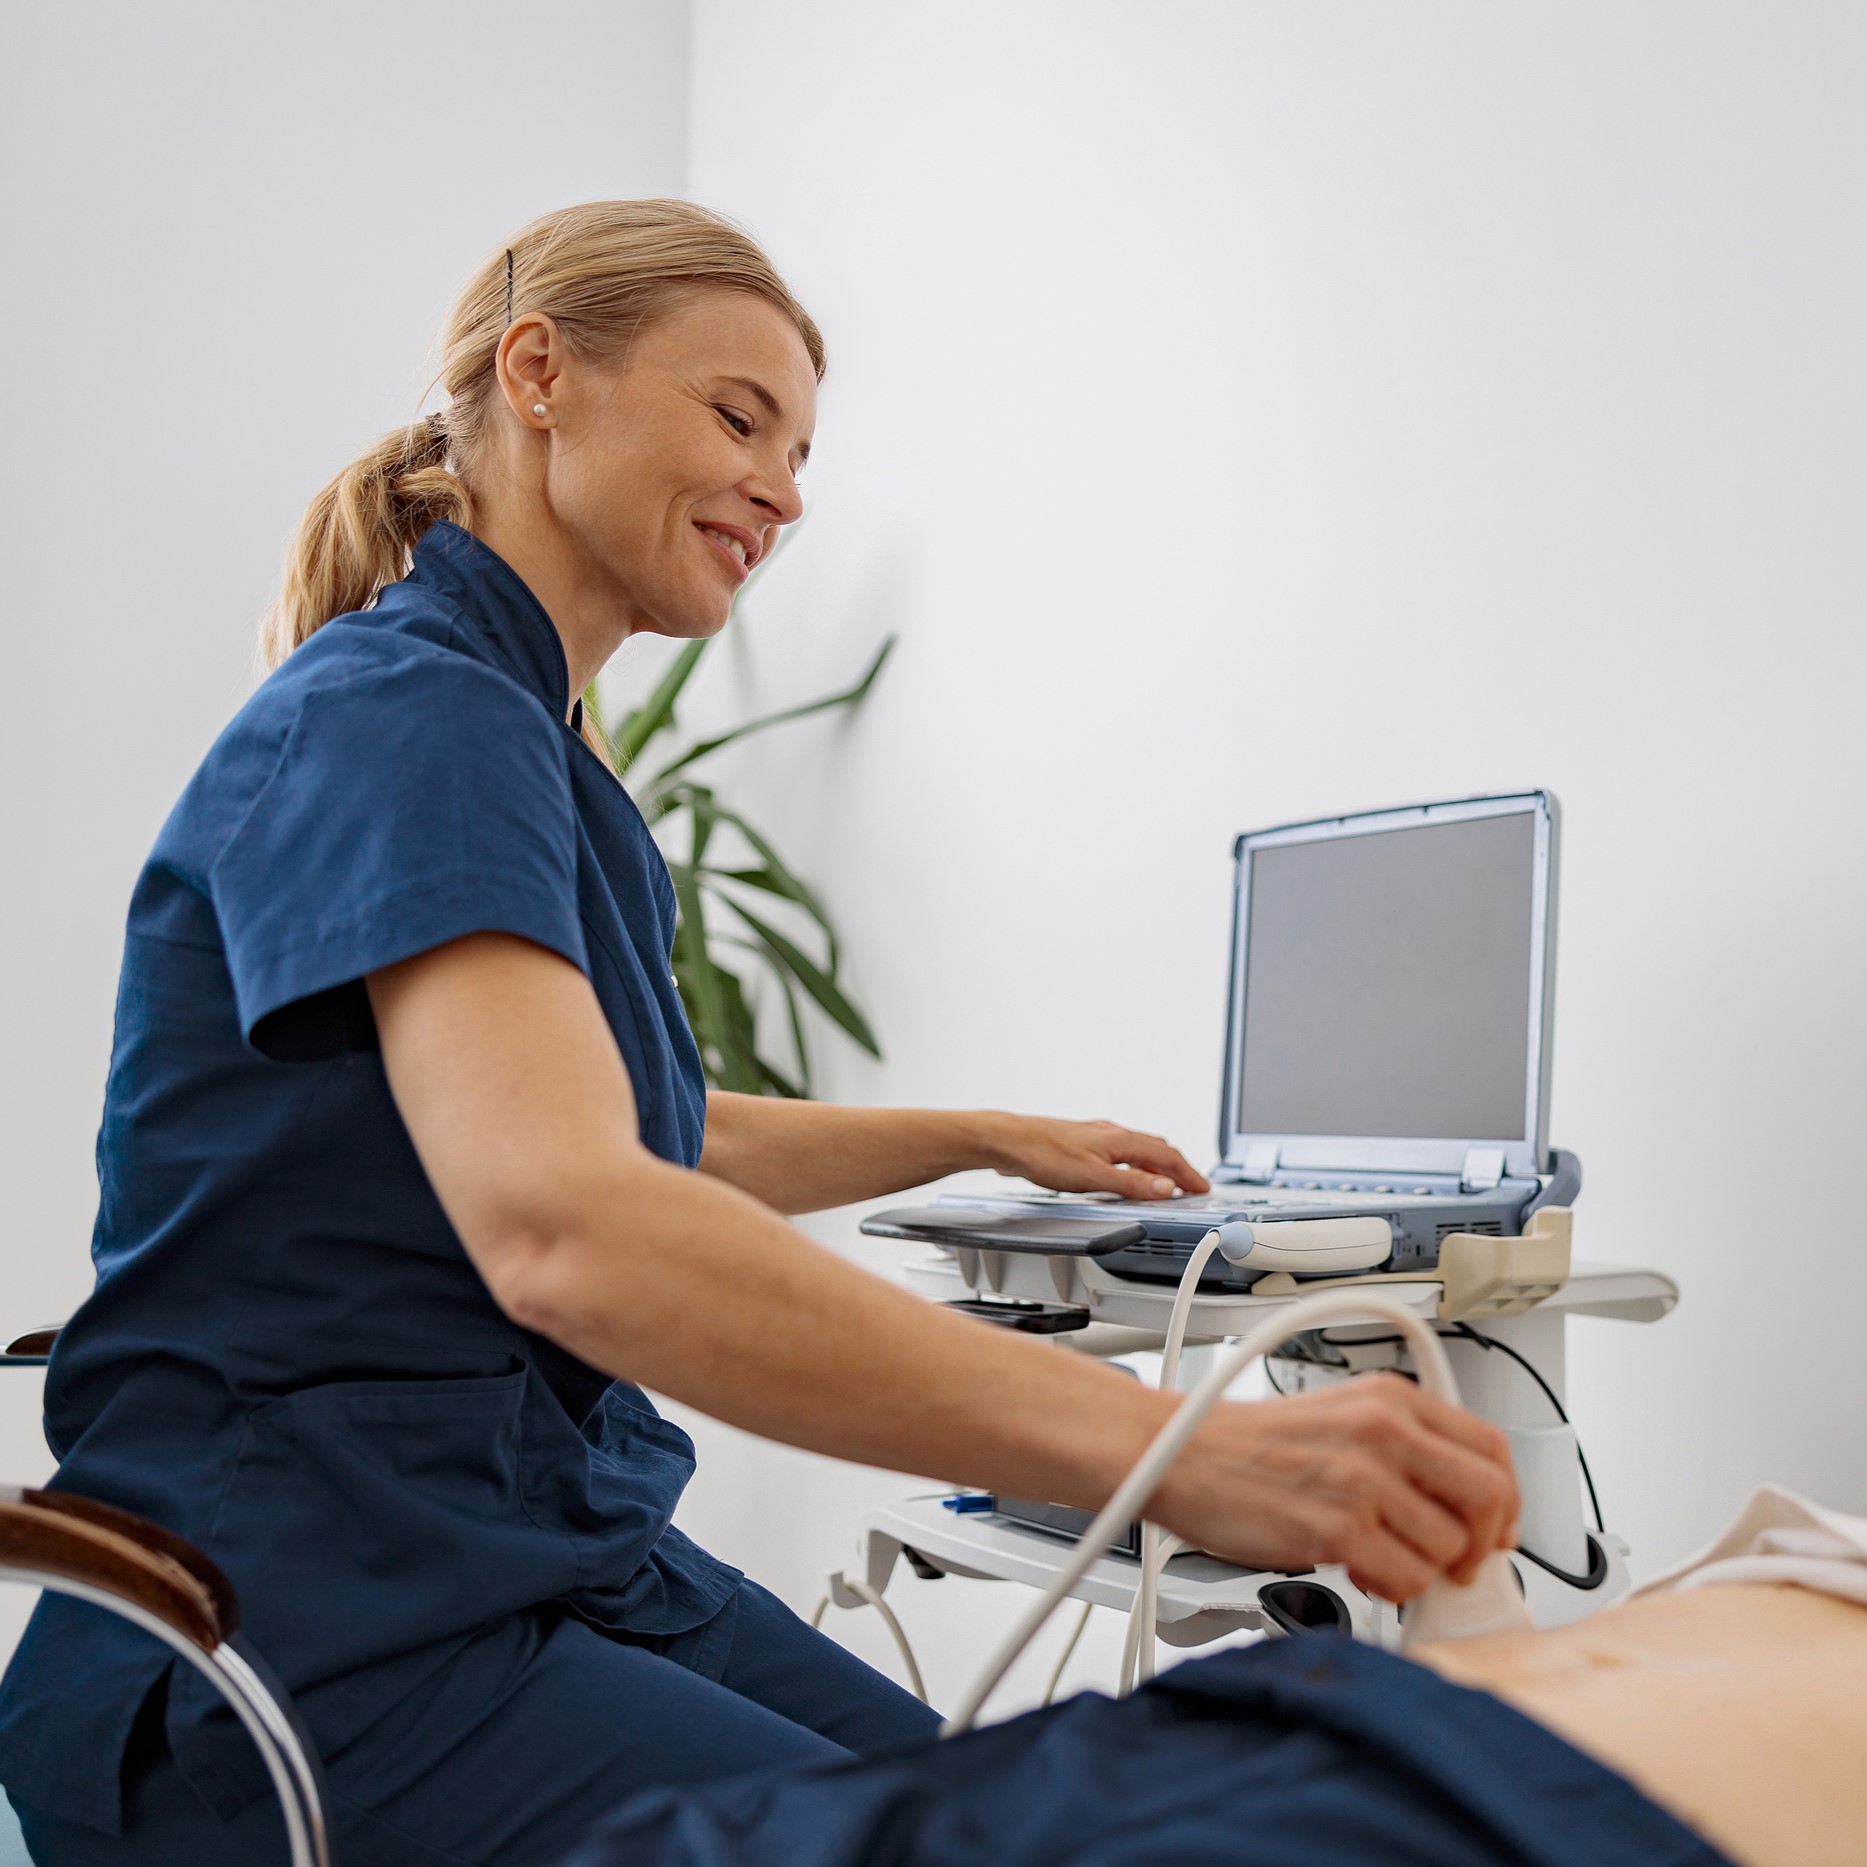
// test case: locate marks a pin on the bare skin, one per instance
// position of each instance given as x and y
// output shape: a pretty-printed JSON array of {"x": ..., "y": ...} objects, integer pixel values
[
  {"x": 611, "y": 502},
  {"x": 806, "y": 1156},
  {"x": 522, "y": 1112},
  {"x": 627, "y": 497},
  {"x": 1741, "y": 1710}
]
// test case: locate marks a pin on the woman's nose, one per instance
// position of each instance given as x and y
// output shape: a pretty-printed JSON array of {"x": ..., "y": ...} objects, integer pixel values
[{"x": 780, "y": 498}]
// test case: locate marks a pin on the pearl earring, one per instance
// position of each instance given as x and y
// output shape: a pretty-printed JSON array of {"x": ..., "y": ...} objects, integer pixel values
[{"x": 538, "y": 408}]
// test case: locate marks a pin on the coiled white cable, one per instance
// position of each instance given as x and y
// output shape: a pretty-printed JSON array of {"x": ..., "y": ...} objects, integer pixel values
[
  {"x": 1132, "y": 1494},
  {"x": 1138, "y": 1648}
]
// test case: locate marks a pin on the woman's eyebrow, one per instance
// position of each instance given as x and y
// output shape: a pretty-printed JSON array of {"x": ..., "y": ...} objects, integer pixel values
[
  {"x": 758, "y": 392},
  {"x": 772, "y": 406}
]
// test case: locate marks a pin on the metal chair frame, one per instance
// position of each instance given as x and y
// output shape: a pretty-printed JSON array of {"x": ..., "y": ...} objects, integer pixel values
[
  {"x": 31, "y": 1350},
  {"x": 140, "y": 1572}
]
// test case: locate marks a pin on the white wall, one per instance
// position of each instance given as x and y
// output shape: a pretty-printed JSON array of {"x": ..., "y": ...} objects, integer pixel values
[
  {"x": 1242, "y": 410},
  {"x": 1247, "y": 411},
  {"x": 231, "y": 234}
]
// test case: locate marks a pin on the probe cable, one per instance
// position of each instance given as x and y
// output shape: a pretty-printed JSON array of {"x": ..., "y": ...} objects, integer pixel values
[
  {"x": 1132, "y": 1494},
  {"x": 1463, "y": 1331},
  {"x": 1137, "y": 1659},
  {"x": 864, "y": 1592},
  {"x": 1069, "y": 1647}
]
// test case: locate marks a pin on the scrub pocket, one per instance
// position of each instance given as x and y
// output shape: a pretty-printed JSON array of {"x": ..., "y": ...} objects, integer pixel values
[
  {"x": 353, "y": 1504},
  {"x": 364, "y": 1521}
]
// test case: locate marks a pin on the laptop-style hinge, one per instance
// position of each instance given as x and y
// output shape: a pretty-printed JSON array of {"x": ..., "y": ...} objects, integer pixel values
[
  {"x": 1483, "y": 1169},
  {"x": 1260, "y": 1163}
]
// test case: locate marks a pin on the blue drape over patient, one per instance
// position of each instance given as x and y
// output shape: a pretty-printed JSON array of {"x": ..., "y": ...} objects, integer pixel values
[
  {"x": 288, "y": 1358},
  {"x": 1311, "y": 1752}
]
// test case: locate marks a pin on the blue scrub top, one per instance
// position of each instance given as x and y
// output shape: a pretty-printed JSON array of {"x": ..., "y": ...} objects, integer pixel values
[{"x": 288, "y": 1357}]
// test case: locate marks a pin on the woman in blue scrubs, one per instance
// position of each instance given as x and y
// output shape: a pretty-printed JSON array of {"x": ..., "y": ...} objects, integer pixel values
[{"x": 408, "y": 1170}]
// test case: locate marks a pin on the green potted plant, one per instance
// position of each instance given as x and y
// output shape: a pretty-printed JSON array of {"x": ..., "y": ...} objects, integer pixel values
[{"x": 727, "y": 877}]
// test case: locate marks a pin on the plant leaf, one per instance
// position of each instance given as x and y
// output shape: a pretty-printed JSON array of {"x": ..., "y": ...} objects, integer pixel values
[
  {"x": 713, "y": 993},
  {"x": 729, "y": 1053},
  {"x": 657, "y": 711},
  {"x": 806, "y": 1089},
  {"x": 787, "y": 888},
  {"x": 793, "y": 889},
  {"x": 850, "y": 697},
  {"x": 701, "y": 980},
  {"x": 705, "y": 821},
  {"x": 818, "y": 983},
  {"x": 749, "y": 1069}
]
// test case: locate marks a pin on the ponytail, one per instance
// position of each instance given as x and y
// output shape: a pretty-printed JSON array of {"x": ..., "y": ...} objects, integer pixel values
[
  {"x": 602, "y": 271},
  {"x": 358, "y": 533}
]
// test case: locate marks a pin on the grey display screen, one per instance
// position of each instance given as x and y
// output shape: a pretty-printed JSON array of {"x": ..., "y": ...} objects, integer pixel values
[{"x": 1387, "y": 983}]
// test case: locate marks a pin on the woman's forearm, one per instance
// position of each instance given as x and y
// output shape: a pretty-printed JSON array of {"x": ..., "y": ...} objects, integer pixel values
[
  {"x": 709, "y": 1297},
  {"x": 519, "y": 1105},
  {"x": 699, "y": 1292},
  {"x": 806, "y": 1156}
]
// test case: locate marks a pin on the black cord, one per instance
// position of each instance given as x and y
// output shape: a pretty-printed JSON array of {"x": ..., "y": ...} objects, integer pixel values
[
  {"x": 1490, "y": 1341},
  {"x": 1470, "y": 1334},
  {"x": 1271, "y": 1378}
]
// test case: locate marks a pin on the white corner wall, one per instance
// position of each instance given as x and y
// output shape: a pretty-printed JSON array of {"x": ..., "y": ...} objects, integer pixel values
[
  {"x": 232, "y": 232},
  {"x": 1242, "y": 411},
  {"x": 1246, "y": 411}
]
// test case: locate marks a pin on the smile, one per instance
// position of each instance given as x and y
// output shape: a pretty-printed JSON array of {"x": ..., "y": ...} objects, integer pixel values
[{"x": 734, "y": 547}]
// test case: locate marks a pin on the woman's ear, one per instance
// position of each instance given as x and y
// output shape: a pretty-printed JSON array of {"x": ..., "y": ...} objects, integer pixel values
[{"x": 529, "y": 366}]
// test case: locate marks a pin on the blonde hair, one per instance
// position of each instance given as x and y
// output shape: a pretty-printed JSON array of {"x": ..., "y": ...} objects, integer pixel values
[{"x": 601, "y": 272}]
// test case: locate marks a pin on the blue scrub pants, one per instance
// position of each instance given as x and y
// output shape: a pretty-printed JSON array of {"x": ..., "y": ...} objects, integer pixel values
[
  {"x": 525, "y": 1738},
  {"x": 1312, "y": 1752}
]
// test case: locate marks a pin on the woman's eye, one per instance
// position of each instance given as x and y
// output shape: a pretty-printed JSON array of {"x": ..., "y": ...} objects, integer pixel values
[{"x": 737, "y": 423}]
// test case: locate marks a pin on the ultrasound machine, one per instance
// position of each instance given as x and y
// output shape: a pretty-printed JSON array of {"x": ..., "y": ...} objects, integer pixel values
[
  {"x": 1390, "y": 994},
  {"x": 1383, "y": 1127}
]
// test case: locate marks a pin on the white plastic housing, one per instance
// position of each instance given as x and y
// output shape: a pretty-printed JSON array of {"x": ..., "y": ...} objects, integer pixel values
[{"x": 1314, "y": 1247}]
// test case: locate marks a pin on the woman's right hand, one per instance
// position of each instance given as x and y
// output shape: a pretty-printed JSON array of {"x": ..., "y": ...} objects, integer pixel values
[
  {"x": 1373, "y": 1474},
  {"x": 520, "y": 1107}
]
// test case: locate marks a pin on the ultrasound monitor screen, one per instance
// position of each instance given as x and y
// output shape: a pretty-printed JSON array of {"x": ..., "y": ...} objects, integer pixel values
[{"x": 1387, "y": 983}]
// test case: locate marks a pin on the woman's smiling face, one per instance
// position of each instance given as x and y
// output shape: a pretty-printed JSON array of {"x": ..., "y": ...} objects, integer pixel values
[{"x": 666, "y": 480}]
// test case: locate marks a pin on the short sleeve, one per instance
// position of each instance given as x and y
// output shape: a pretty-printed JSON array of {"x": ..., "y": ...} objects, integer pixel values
[{"x": 410, "y": 805}]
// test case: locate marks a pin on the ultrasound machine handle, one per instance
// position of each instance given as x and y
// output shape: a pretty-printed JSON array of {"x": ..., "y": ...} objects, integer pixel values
[{"x": 1308, "y": 1247}]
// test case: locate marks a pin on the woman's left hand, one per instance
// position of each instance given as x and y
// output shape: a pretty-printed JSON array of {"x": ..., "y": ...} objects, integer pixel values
[{"x": 1090, "y": 1157}]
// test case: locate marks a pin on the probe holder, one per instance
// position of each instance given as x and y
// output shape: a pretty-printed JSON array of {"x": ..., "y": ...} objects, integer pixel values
[
  {"x": 1505, "y": 1276},
  {"x": 1480, "y": 1276}
]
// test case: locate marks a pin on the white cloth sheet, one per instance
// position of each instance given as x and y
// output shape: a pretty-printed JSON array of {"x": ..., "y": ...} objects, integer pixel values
[{"x": 1780, "y": 1537}]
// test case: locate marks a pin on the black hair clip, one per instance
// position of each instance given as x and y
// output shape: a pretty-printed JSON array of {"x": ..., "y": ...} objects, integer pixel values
[{"x": 508, "y": 285}]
